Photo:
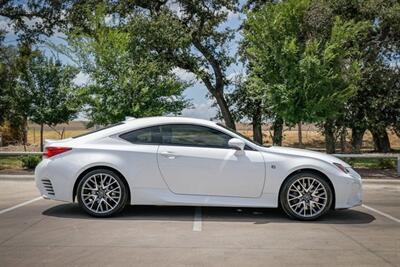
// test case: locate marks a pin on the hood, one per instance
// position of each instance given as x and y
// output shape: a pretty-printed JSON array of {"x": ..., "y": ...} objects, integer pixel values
[{"x": 297, "y": 152}]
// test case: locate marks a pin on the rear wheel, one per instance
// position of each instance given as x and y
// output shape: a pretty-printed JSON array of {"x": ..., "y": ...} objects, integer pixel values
[
  {"x": 306, "y": 196},
  {"x": 102, "y": 193}
]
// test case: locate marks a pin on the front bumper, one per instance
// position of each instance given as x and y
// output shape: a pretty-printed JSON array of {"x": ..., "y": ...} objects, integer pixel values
[{"x": 349, "y": 193}]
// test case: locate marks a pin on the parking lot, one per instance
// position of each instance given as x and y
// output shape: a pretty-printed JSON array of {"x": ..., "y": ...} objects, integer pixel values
[{"x": 38, "y": 232}]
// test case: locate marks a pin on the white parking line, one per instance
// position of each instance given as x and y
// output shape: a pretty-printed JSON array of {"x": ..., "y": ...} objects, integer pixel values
[
  {"x": 382, "y": 213},
  {"x": 20, "y": 205},
  {"x": 197, "y": 220}
]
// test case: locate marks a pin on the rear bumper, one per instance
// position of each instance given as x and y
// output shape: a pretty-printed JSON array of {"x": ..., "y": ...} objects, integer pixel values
[{"x": 51, "y": 182}]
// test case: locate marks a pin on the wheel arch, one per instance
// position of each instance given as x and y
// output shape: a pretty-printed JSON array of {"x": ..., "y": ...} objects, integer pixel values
[
  {"x": 314, "y": 171},
  {"x": 92, "y": 168}
]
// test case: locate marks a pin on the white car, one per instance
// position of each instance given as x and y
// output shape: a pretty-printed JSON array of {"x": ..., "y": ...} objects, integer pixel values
[{"x": 185, "y": 161}]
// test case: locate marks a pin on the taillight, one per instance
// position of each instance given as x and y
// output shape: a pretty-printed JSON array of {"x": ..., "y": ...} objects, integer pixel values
[{"x": 51, "y": 151}]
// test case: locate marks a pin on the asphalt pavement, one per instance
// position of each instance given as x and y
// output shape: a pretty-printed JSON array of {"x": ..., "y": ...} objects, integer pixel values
[{"x": 38, "y": 232}]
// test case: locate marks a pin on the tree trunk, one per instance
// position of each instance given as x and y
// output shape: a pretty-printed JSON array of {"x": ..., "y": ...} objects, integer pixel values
[
  {"x": 41, "y": 137},
  {"x": 300, "y": 135},
  {"x": 226, "y": 114},
  {"x": 278, "y": 131},
  {"x": 16, "y": 130},
  {"x": 381, "y": 140},
  {"x": 357, "y": 135},
  {"x": 217, "y": 90},
  {"x": 343, "y": 140},
  {"x": 330, "y": 141},
  {"x": 25, "y": 132},
  {"x": 257, "y": 126}
]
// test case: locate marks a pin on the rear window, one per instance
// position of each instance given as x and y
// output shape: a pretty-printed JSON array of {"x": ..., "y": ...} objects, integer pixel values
[
  {"x": 150, "y": 135},
  {"x": 98, "y": 130}
]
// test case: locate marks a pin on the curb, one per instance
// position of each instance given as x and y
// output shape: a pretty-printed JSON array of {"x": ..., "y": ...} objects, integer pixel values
[
  {"x": 381, "y": 181},
  {"x": 17, "y": 177}
]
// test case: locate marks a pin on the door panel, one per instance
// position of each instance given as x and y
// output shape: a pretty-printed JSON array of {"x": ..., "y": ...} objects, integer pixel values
[{"x": 212, "y": 171}]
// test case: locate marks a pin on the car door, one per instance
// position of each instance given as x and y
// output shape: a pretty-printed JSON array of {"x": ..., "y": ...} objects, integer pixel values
[
  {"x": 196, "y": 160},
  {"x": 140, "y": 158}
]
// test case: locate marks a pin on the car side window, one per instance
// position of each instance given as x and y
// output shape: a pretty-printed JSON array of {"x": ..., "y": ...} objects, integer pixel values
[
  {"x": 193, "y": 135},
  {"x": 150, "y": 135}
]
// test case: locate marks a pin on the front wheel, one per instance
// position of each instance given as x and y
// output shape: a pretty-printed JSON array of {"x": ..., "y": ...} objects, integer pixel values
[
  {"x": 306, "y": 196},
  {"x": 101, "y": 193}
]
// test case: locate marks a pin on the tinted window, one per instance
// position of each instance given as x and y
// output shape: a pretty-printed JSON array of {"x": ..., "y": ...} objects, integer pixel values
[
  {"x": 149, "y": 135},
  {"x": 193, "y": 135}
]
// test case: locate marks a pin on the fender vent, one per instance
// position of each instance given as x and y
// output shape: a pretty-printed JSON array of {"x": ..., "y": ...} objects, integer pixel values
[{"x": 48, "y": 186}]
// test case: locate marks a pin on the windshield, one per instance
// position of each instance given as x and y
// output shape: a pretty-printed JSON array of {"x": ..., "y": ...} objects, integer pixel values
[{"x": 241, "y": 135}]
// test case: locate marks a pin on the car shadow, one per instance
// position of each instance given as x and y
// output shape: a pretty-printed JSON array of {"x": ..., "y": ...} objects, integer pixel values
[{"x": 215, "y": 214}]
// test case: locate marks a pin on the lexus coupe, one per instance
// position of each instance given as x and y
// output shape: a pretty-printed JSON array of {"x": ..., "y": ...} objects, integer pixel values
[{"x": 185, "y": 161}]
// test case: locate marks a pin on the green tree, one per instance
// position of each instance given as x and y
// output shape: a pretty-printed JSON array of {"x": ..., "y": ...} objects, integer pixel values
[
  {"x": 13, "y": 118},
  {"x": 376, "y": 106},
  {"x": 8, "y": 57},
  {"x": 251, "y": 102},
  {"x": 127, "y": 79},
  {"x": 247, "y": 102},
  {"x": 309, "y": 78},
  {"x": 187, "y": 34},
  {"x": 32, "y": 18},
  {"x": 10, "y": 123},
  {"x": 46, "y": 92},
  {"x": 29, "y": 21},
  {"x": 376, "y": 103}
]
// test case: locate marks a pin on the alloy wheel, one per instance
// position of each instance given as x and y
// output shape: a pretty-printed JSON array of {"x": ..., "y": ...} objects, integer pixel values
[
  {"x": 307, "y": 197},
  {"x": 101, "y": 193}
]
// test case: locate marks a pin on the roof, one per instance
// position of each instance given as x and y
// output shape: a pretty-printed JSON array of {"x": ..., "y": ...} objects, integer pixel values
[
  {"x": 166, "y": 119},
  {"x": 132, "y": 124}
]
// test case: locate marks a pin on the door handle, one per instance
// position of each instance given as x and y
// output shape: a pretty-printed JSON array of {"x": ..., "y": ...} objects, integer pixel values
[{"x": 168, "y": 154}]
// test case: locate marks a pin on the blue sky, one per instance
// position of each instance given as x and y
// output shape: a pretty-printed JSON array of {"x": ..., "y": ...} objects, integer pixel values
[{"x": 197, "y": 93}]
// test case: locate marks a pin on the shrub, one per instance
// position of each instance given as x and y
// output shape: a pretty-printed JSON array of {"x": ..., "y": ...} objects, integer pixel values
[
  {"x": 387, "y": 164},
  {"x": 31, "y": 161}
]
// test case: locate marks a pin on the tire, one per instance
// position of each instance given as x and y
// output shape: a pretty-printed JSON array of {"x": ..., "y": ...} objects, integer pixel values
[
  {"x": 306, "y": 196},
  {"x": 102, "y": 193}
]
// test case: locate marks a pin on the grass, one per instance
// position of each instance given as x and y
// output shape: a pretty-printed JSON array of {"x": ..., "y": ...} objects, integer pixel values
[
  {"x": 10, "y": 163},
  {"x": 34, "y": 135},
  {"x": 370, "y": 163}
]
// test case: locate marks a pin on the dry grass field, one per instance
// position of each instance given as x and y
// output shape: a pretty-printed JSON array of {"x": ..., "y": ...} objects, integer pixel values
[
  {"x": 312, "y": 137},
  {"x": 315, "y": 139}
]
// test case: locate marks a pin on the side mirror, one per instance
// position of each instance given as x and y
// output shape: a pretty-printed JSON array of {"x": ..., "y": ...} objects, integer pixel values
[{"x": 236, "y": 143}]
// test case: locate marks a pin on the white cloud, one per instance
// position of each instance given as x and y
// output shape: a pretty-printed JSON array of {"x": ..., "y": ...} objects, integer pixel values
[
  {"x": 201, "y": 110},
  {"x": 5, "y": 24},
  {"x": 176, "y": 8},
  {"x": 81, "y": 79},
  {"x": 232, "y": 76},
  {"x": 184, "y": 75},
  {"x": 233, "y": 15}
]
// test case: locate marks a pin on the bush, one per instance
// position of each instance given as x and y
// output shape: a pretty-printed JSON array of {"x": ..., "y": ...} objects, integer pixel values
[
  {"x": 387, "y": 164},
  {"x": 30, "y": 162}
]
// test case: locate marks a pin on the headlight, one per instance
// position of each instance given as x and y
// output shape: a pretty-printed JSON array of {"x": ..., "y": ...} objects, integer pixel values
[{"x": 341, "y": 167}]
